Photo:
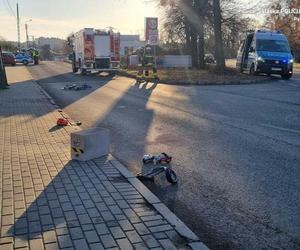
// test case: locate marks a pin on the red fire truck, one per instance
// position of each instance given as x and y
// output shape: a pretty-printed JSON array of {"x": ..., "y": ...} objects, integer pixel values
[{"x": 96, "y": 51}]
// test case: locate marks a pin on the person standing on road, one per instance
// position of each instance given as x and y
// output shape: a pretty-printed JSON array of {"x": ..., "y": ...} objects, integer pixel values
[
  {"x": 146, "y": 63},
  {"x": 36, "y": 57}
]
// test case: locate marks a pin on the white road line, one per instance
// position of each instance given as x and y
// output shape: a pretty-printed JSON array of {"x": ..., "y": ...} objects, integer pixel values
[
  {"x": 294, "y": 85},
  {"x": 281, "y": 128}
]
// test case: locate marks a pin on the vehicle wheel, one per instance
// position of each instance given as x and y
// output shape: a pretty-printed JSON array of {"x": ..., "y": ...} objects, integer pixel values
[
  {"x": 286, "y": 76},
  {"x": 112, "y": 74},
  {"x": 83, "y": 72},
  {"x": 74, "y": 68},
  {"x": 252, "y": 70},
  {"x": 156, "y": 80},
  {"x": 171, "y": 176},
  {"x": 25, "y": 62},
  {"x": 13, "y": 64}
]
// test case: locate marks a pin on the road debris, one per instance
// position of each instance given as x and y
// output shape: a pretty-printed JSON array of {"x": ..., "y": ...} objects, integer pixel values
[
  {"x": 162, "y": 158},
  {"x": 78, "y": 123},
  {"x": 162, "y": 165},
  {"x": 76, "y": 87},
  {"x": 62, "y": 122}
]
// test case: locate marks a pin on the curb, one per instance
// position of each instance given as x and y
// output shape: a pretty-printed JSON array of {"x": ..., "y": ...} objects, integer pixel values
[
  {"x": 193, "y": 240},
  {"x": 60, "y": 111},
  {"x": 51, "y": 100},
  {"x": 178, "y": 225},
  {"x": 206, "y": 83}
]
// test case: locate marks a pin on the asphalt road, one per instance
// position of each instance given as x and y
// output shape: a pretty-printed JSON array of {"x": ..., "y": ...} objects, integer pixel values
[{"x": 236, "y": 149}]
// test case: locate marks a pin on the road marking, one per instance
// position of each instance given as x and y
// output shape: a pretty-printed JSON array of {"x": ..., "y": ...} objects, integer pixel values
[
  {"x": 281, "y": 128},
  {"x": 294, "y": 85}
]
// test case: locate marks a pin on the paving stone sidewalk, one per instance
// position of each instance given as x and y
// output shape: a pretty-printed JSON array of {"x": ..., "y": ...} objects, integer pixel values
[{"x": 51, "y": 202}]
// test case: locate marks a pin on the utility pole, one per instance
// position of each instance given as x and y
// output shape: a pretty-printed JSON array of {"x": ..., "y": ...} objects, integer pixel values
[
  {"x": 26, "y": 29},
  {"x": 27, "y": 36},
  {"x": 33, "y": 42},
  {"x": 3, "y": 79},
  {"x": 18, "y": 28}
]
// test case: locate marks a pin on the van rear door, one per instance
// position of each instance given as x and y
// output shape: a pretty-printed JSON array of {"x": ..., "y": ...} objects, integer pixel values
[
  {"x": 243, "y": 54},
  {"x": 240, "y": 57}
]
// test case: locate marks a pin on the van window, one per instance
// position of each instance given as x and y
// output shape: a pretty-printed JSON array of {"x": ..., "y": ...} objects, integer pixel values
[{"x": 272, "y": 45}]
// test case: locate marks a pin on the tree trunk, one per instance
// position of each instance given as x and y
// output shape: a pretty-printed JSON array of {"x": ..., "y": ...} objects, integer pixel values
[
  {"x": 187, "y": 29},
  {"x": 194, "y": 46},
  {"x": 201, "y": 6},
  {"x": 218, "y": 35},
  {"x": 201, "y": 44}
]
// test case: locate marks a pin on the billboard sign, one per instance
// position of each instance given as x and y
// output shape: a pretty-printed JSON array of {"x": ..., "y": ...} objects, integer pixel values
[{"x": 151, "y": 30}]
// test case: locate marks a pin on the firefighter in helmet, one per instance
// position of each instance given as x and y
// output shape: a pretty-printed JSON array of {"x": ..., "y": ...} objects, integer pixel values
[{"x": 146, "y": 63}]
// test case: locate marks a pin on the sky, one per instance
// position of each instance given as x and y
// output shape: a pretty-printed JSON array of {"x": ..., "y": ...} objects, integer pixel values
[{"x": 58, "y": 18}]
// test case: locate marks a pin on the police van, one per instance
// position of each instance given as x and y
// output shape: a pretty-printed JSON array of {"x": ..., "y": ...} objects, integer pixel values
[{"x": 264, "y": 51}]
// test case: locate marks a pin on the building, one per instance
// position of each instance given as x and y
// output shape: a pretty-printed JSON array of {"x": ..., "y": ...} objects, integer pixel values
[
  {"x": 55, "y": 44},
  {"x": 131, "y": 42}
]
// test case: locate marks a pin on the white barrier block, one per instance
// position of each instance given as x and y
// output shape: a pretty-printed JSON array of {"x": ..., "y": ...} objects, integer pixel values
[{"x": 89, "y": 144}]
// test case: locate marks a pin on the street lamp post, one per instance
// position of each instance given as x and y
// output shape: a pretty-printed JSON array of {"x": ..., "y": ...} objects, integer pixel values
[
  {"x": 33, "y": 42},
  {"x": 27, "y": 36}
]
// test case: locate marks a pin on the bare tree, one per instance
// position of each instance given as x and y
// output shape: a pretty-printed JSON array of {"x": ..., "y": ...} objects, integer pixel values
[
  {"x": 185, "y": 21},
  {"x": 206, "y": 25},
  {"x": 220, "y": 58}
]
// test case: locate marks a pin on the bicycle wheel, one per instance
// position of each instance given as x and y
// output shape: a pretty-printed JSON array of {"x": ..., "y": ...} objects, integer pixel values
[{"x": 171, "y": 176}]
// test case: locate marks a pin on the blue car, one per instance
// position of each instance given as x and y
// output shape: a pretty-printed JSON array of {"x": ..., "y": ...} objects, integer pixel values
[{"x": 23, "y": 58}]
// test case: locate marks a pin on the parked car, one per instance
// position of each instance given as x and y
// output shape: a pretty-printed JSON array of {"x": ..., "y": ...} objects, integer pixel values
[
  {"x": 8, "y": 58},
  {"x": 23, "y": 58},
  {"x": 209, "y": 58}
]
